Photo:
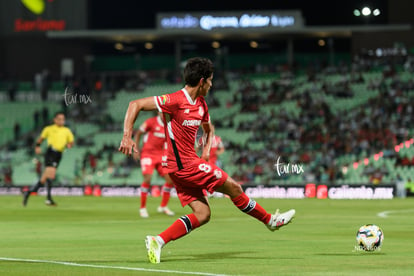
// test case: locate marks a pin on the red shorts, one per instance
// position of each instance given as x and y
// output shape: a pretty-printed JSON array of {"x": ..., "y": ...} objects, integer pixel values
[
  {"x": 151, "y": 162},
  {"x": 192, "y": 182}
]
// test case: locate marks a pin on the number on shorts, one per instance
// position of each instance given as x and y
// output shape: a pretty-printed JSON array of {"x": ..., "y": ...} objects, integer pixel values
[
  {"x": 205, "y": 167},
  {"x": 145, "y": 162}
]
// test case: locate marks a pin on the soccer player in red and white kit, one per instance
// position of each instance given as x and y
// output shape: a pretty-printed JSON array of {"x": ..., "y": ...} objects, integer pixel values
[
  {"x": 184, "y": 111},
  {"x": 153, "y": 146}
]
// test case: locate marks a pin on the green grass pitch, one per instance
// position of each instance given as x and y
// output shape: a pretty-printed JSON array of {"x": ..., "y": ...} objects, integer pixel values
[{"x": 105, "y": 236}]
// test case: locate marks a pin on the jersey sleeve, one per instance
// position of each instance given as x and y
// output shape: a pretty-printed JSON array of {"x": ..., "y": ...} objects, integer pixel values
[
  {"x": 167, "y": 103},
  {"x": 45, "y": 133},
  {"x": 71, "y": 137}
]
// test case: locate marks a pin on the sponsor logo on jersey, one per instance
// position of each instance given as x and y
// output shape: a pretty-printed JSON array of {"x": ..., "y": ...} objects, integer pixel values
[
  {"x": 191, "y": 123},
  {"x": 159, "y": 134},
  {"x": 164, "y": 99}
]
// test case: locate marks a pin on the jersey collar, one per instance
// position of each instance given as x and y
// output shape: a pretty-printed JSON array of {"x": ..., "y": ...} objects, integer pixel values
[{"x": 188, "y": 97}]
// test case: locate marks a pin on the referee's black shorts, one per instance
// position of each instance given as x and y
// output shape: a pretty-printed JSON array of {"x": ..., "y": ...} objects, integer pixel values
[{"x": 52, "y": 157}]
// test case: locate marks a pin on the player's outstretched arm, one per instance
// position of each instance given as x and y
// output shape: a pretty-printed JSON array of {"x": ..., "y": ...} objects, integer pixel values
[
  {"x": 137, "y": 140},
  {"x": 135, "y": 107}
]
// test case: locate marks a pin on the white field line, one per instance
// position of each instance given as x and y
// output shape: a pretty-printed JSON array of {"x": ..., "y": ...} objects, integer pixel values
[
  {"x": 385, "y": 214},
  {"x": 109, "y": 267}
]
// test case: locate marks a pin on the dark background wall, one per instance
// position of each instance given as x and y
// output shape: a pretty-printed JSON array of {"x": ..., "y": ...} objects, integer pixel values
[
  {"x": 24, "y": 56},
  {"x": 399, "y": 12}
]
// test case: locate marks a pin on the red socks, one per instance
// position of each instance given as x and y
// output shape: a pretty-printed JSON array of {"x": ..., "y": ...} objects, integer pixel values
[
  {"x": 180, "y": 227},
  {"x": 166, "y": 189},
  {"x": 185, "y": 224},
  {"x": 250, "y": 207},
  {"x": 144, "y": 192}
]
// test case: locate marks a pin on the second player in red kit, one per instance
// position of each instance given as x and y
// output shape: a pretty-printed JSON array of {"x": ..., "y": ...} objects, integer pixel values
[{"x": 150, "y": 155}]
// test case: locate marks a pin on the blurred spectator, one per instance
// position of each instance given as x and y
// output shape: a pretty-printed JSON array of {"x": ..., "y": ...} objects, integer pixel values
[
  {"x": 324, "y": 175},
  {"x": 64, "y": 106},
  {"x": 36, "y": 120},
  {"x": 12, "y": 89},
  {"x": 258, "y": 169},
  {"x": 403, "y": 161},
  {"x": 29, "y": 143},
  {"x": 45, "y": 84},
  {"x": 17, "y": 131},
  {"x": 7, "y": 173},
  {"x": 77, "y": 172},
  {"x": 92, "y": 162},
  {"x": 305, "y": 158},
  {"x": 409, "y": 185},
  {"x": 45, "y": 115},
  {"x": 401, "y": 190},
  {"x": 376, "y": 177},
  {"x": 38, "y": 82},
  {"x": 98, "y": 86},
  {"x": 111, "y": 164},
  {"x": 85, "y": 162}
]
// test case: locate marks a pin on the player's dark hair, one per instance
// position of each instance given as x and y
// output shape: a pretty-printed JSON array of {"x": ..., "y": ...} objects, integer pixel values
[
  {"x": 196, "y": 69},
  {"x": 58, "y": 113}
]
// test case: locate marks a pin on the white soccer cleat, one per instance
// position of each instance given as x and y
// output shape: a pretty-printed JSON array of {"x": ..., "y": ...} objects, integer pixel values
[
  {"x": 153, "y": 249},
  {"x": 280, "y": 219},
  {"x": 143, "y": 213},
  {"x": 165, "y": 210}
]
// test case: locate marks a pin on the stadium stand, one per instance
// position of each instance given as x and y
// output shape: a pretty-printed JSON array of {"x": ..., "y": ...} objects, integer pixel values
[{"x": 342, "y": 125}]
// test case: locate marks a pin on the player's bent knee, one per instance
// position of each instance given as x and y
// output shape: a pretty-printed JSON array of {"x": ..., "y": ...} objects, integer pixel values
[
  {"x": 231, "y": 188},
  {"x": 203, "y": 217}
]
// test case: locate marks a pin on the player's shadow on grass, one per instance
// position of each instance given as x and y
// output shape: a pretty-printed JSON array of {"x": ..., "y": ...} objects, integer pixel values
[
  {"x": 350, "y": 254},
  {"x": 219, "y": 256}
]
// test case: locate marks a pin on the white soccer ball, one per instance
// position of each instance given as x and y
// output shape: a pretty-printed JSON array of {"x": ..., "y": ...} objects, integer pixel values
[{"x": 369, "y": 237}]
